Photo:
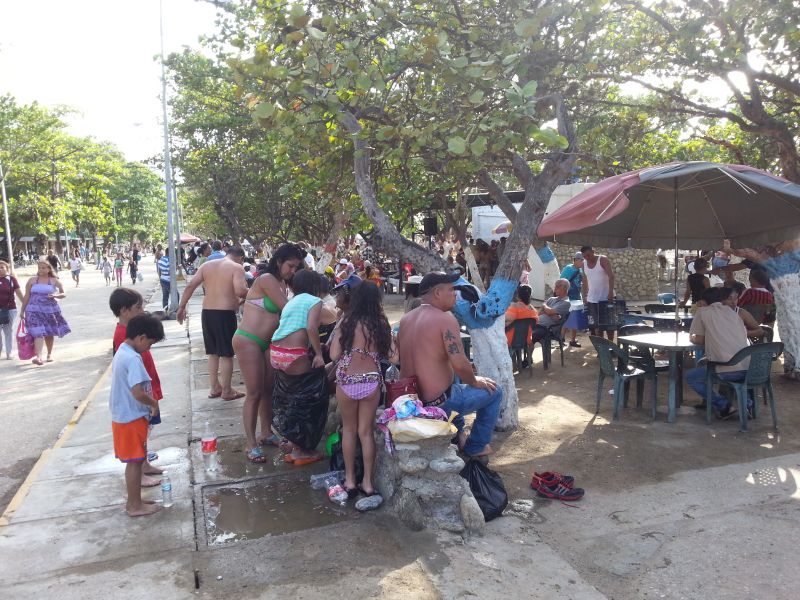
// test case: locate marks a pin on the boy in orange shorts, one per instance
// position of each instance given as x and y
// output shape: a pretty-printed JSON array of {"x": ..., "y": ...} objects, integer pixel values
[
  {"x": 126, "y": 303},
  {"x": 132, "y": 405}
]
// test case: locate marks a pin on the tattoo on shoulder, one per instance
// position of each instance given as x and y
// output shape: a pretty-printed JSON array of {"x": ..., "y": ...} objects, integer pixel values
[
  {"x": 448, "y": 335},
  {"x": 452, "y": 348}
]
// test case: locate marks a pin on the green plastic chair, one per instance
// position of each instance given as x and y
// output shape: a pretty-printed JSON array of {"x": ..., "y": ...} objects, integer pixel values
[
  {"x": 553, "y": 335},
  {"x": 614, "y": 362},
  {"x": 519, "y": 343},
  {"x": 758, "y": 377}
]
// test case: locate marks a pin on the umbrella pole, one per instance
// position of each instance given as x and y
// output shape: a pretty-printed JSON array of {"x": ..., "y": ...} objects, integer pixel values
[{"x": 675, "y": 280}]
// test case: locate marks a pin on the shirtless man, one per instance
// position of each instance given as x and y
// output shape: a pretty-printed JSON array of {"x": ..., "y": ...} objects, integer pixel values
[
  {"x": 430, "y": 350},
  {"x": 225, "y": 287}
]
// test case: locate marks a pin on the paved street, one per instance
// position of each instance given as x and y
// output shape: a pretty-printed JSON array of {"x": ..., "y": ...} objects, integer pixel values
[{"x": 37, "y": 402}]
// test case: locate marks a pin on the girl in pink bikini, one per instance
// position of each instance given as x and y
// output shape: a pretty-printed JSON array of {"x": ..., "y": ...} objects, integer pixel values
[{"x": 361, "y": 340}]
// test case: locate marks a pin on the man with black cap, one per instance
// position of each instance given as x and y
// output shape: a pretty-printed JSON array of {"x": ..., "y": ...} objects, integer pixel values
[{"x": 430, "y": 348}]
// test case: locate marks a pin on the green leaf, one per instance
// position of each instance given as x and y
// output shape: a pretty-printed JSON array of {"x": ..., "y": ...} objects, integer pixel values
[
  {"x": 476, "y": 97},
  {"x": 298, "y": 16},
  {"x": 363, "y": 82},
  {"x": 459, "y": 63},
  {"x": 264, "y": 110},
  {"x": 526, "y": 28},
  {"x": 457, "y": 145},
  {"x": 315, "y": 33},
  {"x": 529, "y": 89},
  {"x": 478, "y": 146}
]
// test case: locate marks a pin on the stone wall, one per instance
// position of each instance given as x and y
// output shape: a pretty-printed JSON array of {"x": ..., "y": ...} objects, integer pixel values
[{"x": 635, "y": 270}]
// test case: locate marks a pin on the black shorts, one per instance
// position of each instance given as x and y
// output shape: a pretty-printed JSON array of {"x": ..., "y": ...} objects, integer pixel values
[
  {"x": 218, "y": 328},
  {"x": 602, "y": 315}
]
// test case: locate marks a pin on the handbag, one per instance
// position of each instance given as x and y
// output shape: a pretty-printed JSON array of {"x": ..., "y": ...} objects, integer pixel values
[
  {"x": 400, "y": 387},
  {"x": 25, "y": 346}
]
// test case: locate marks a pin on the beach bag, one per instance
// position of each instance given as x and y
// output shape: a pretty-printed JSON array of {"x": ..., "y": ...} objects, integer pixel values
[
  {"x": 487, "y": 487},
  {"x": 25, "y": 347},
  {"x": 417, "y": 428}
]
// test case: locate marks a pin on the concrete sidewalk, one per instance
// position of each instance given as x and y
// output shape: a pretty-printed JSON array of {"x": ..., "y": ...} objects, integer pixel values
[{"x": 715, "y": 533}]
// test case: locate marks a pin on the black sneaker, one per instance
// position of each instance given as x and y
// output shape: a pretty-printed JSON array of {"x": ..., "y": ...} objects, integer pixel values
[
  {"x": 727, "y": 413},
  {"x": 575, "y": 344}
]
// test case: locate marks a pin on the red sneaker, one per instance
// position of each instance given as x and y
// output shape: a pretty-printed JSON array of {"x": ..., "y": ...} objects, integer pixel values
[
  {"x": 551, "y": 478},
  {"x": 559, "y": 492}
]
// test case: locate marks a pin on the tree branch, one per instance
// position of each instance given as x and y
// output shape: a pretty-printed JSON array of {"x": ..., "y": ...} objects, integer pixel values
[{"x": 497, "y": 195}]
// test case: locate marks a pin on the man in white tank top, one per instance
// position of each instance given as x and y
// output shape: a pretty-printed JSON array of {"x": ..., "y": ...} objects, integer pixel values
[{"x": 597, "y": 289}]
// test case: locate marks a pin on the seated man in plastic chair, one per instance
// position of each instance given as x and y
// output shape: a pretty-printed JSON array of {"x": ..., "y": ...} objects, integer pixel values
[
  {"x": 722, "y": 332},
  {"x": 430, "y": 348},
  {"x": 554, "y": 311}
]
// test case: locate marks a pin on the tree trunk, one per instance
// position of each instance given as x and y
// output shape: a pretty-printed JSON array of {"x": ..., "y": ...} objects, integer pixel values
[
  {"x": 491, "y": 357},
  {"x": 784, "y": 273},
  {"x": 329, "y": 250},
  {"x": 386, "y": 238},
  {"x": 787, "y": 303},
  {"x": 472, "y": 267}
]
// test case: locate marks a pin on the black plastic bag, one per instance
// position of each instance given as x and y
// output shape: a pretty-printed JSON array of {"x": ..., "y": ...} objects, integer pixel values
[
  {"x": 337, "y": 459},
  {"x": 487, "y": 487},
  {"x": 300, "y": 407}
]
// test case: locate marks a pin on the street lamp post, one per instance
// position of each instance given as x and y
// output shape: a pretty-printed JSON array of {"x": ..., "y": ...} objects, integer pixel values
[
  {"x": 173, "y": 258},
  {"x": 6, "y": 225}
]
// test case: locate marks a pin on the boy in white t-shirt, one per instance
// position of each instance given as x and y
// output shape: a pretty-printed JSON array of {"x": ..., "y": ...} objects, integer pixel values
[{"x": 132, "y": 404}]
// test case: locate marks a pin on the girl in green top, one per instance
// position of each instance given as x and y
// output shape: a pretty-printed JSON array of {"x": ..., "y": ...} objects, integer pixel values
[
  {"x": 299, "y": 328},
  {"x": 260, "y": 317},
  {"x": 119, "y": 264}
]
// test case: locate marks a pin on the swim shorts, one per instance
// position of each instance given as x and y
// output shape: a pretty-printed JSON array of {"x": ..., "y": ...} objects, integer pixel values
[
  {"x": 130, "y": 440},
  {"x": 218, "y": 329}
]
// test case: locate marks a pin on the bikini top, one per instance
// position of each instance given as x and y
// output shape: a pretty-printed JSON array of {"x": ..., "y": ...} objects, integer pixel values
[{"x": 265, "y": 303}]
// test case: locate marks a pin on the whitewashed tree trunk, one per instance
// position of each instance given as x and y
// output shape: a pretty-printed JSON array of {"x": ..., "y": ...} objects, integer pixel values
[
  {"x": 491, "y": 357},
  {"x": 329, "y": 251},
  {"x": 787, "y": 302},
  {"x": 472, "y": 268}
]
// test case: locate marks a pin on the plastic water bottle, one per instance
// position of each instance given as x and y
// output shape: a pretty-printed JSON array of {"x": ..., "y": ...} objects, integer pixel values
[
  {"x": 336, "y": 493},
  {"x": 320, "y": 480},
  {"x": 166, "y": 490},
  {"x": 209, "y": 448}
]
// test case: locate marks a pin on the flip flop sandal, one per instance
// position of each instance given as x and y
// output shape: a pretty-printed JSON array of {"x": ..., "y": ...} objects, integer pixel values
[
  {"x": 236, "y": 396},
  {"x": 271, "y": 440},
  {"x": 352, "y": 492},
  {"x": 304, "y": 460},
  {"x": 215, "y": 394},
  {"x": 256, "y": 455}
]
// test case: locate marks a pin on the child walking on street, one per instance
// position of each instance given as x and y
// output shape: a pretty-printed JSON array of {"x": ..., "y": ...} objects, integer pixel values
[
  {"x": 126, "y": 304},
  {"x": 132, "y": 406},
  {"x": 106, "y": 266}
]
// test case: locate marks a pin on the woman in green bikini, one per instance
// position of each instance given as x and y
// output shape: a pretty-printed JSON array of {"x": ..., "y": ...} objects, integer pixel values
[{"x": 261, "y": 315}]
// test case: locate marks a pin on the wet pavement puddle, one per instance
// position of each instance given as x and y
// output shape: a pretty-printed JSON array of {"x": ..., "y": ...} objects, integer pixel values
[{"x": 275, "y": 505}]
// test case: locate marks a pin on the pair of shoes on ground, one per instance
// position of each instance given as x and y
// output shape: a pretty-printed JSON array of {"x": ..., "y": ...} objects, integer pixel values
[{"x": 556, "y": 486}]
